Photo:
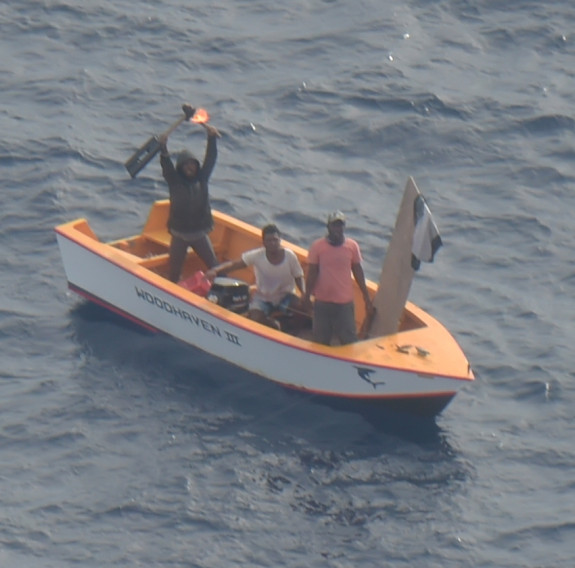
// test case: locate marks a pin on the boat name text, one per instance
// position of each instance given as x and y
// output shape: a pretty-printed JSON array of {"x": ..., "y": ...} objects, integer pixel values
[{"x": 192, "y": 318}]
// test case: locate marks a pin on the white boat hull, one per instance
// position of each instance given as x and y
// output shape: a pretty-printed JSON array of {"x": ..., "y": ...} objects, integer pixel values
[{"x": 294, "y": 363}]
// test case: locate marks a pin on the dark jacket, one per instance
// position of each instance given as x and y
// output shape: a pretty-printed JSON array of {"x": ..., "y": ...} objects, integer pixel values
[{"x": 190, "y": 209}]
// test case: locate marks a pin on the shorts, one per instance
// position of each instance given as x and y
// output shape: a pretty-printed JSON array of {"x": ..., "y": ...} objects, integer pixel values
[
  {"x": 258, "y": 303},
  {"x": 334, "y": 320}
]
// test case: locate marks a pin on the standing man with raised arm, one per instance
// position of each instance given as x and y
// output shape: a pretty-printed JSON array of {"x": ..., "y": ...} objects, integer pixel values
[
  {"x": 331, "y": 262},
  {"x": 190, "y": 219}
]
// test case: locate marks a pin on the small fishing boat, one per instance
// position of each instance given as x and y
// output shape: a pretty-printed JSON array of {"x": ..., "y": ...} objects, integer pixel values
[{"x": 413, "y": 364}]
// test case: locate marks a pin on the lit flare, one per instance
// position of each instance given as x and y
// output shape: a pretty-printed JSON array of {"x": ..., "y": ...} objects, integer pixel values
[{"x": 201, "y": 116}]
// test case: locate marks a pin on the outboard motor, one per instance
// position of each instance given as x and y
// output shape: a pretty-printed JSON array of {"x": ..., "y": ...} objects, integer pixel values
[{"x": 230, "y": 293}]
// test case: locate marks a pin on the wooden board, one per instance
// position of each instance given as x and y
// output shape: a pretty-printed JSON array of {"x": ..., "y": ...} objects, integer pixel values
[{"x": 396, "y": 273}]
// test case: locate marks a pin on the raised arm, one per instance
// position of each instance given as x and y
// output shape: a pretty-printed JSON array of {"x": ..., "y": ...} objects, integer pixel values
[
  {"x": 211, "y": 150},
  {"x": 168, "y": 169}
]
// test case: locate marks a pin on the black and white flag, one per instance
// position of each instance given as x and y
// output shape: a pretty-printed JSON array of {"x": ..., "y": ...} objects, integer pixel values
[{"x": 426, "y": 238}]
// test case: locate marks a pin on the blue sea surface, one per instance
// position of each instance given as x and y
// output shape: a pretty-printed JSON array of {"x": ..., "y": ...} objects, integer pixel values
[{"x": 122, "y": 448}]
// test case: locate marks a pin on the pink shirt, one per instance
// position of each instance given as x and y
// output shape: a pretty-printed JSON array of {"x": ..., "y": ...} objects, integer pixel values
[{"x": 334, "y": 281}]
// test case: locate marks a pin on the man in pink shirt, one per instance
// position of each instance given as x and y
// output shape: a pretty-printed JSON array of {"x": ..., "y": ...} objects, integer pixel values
[{"x": 331, "y": 262}]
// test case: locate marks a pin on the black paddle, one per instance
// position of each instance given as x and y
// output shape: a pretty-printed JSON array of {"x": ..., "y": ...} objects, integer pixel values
[{"x": 145, "y": 154}]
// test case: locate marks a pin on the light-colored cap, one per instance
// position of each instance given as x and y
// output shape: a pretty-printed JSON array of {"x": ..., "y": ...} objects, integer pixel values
[{"x": 335, "y": 216}]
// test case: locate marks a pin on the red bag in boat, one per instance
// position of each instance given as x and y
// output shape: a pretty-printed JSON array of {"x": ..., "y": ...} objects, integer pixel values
[{"x": 197, "y": 283}]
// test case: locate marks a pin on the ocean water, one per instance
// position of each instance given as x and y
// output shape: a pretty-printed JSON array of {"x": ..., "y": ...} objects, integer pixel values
[{"x": 120, "y": 448}]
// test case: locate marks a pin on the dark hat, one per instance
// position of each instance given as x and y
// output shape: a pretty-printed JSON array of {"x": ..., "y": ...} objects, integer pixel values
[
  {"x": 335, "y": 216},
  {"x": 185, "y": 156}
]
